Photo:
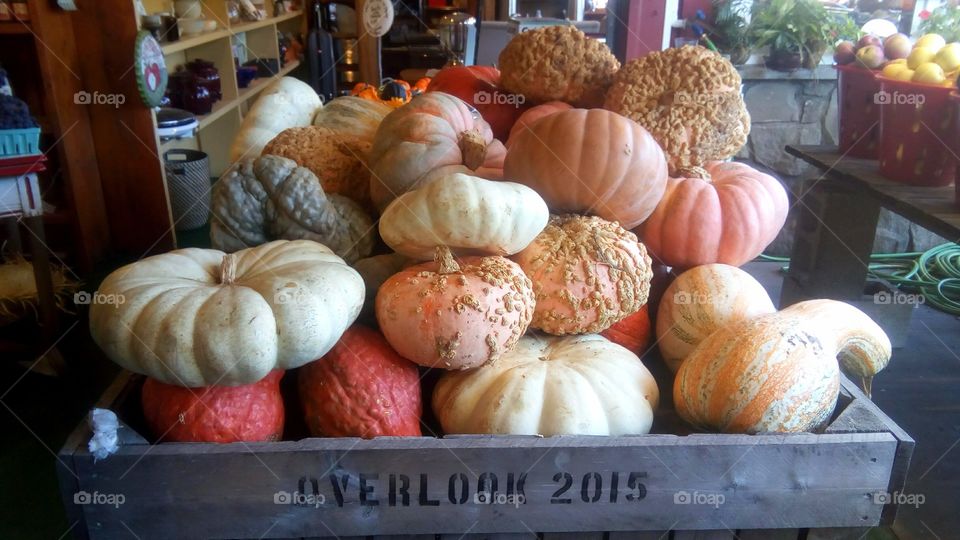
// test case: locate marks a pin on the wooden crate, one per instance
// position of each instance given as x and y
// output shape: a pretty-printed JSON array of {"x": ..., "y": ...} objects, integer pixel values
[{"x": 650, "y": 486}]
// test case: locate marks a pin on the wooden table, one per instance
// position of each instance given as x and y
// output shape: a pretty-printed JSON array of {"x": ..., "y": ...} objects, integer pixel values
[{"x": 836, "y": 228}]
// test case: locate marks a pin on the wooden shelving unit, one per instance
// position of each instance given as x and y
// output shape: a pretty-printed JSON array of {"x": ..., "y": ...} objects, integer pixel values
[{"x": 217, "y": 129}]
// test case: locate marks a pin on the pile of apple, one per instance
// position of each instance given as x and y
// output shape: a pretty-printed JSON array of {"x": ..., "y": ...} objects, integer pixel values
[{"x": 930, "y": 60}]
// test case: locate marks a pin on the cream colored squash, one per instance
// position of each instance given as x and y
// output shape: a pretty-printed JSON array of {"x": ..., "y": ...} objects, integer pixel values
[
  {"x": 352, "y": 116},
  {"x": 702, "y": 300},
  {"x": 286, "y": 103},
  {"x": 779, "y": 372},
  {"x": 470, "y": 215},
  {"x": 546, "y": 385},
  {"x": 200, "y": 317}
]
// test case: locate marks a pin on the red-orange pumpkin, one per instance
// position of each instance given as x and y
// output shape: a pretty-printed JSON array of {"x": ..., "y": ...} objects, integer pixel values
[
  {"x": 361, "y": 388},
  {"x": 632, "y": 332},
  {"x": 434, "y": 135},
  {"x": 590, "y": 162},
  {"x": 480, "y": 87},
  {"x": 456, "y": 314},
  {"x": 220, "y": 414},
  {"x": 722, "y": 213},
  {"x": 533, "y": 114}
]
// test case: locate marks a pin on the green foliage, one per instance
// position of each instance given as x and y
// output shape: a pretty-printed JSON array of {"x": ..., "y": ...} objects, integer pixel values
[
  {"x": 792, "y": 25},
  {"x": 945, "y": 20},
  {"x": 730, "y": 24}
]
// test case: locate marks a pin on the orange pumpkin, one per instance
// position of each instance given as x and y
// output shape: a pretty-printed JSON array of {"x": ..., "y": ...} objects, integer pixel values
[
  {"x": 434, "y": 135},
  {"x": 632, "y": 332},
  {"x": 480, "y": 87},
  {"x": 587, "y": 274},
  {"x": 533, "y": 114},
  {"x": 455, "y": 315},
  {"x": 590, "y": 162},
  {"x": 722, "y": 213}
]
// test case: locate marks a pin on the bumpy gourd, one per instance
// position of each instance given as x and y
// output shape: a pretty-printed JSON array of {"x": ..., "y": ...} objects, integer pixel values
[{"x": 778, "y": 373}]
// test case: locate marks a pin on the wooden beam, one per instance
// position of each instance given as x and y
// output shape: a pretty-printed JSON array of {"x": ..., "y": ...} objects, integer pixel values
[{"x": 368, "y": 47}]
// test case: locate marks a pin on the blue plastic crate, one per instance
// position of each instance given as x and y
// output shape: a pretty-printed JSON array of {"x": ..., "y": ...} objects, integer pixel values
[{"x": 19, "y": 142}]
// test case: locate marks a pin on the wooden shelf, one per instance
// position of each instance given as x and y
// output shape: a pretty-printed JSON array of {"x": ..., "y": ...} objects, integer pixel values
[
  {"x": 260, "y": 83},
  {"x": 195, "y": 41},
  {"x": 15, "y": 27}
]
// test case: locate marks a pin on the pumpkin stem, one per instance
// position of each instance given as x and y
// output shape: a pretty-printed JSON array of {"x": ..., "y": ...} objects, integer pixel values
[
  {"x": 867, "y": 384},
  {"x": 692, "y": 172},
  {"x": 228, "y": 269},
  {"x": 445, "y": 259},
  {"x": 473, "y": 149}
]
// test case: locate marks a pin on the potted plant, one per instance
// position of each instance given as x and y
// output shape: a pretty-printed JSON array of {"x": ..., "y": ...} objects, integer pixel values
[
  {"x": 945, "y": 20},
  {"x": 795, "y": 32},
  {"x": 729, "y": 30}
]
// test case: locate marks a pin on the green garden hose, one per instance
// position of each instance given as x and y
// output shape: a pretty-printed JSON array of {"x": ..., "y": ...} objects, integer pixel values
[{"x": 934, "y": 274}]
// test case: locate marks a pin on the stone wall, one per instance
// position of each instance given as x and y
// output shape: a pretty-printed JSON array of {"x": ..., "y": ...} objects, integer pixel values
[{"x": 801, "y": 108}]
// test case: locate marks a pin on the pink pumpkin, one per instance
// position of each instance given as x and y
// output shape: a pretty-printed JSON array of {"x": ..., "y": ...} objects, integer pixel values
[
  {"x": 455, "y": 315},
  {"x": 533, "y": 114},
  {"x": 587, "y": 273}
]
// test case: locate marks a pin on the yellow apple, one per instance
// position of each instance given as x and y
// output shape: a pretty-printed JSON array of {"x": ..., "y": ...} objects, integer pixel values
[
  {"x": 929, "y": 73},
  {"x": 902, "y": 61},
  {"x": 890, "y": 70},
  {"x": 930, "y": 41},
  {"x": 949, "y": 57},
  {"x": 904, "y": 75},
  {"x": 920, "y": 55}
]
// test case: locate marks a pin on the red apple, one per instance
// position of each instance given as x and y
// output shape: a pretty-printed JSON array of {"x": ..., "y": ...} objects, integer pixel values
[
  {"x": 870, "y": 57},
  {"x": 896, "y": 46},
  {"x": 869, "y": 40},
  {"x": 844, "y": 53}
]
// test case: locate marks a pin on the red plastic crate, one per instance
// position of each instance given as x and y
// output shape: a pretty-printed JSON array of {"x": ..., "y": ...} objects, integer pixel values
[
  {"x": 915, "y": 129},
  {"x": 859, "y": 114}
]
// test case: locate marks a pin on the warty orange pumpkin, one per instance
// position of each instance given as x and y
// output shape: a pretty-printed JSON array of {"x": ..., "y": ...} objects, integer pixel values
[{"x": 779, "y": 372}]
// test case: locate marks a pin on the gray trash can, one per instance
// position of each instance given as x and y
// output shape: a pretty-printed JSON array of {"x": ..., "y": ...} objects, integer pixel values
[{"x": 188, "y": 182}]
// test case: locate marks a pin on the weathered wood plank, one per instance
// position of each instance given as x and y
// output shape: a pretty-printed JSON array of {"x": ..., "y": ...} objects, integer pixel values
[
  {"x": 640, "y": 535},
  {"x": 405, "y": 537},
  {"x": 768, "y": 534},
  {"x": 573, "y": 536},
  {"x": 705, "y": 535},
  {"x": 848, "y": 533},
  {"x": 501, "y": 536}
]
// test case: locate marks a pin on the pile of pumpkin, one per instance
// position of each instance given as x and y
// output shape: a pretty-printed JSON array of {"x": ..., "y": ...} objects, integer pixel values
[{"x": 522, "y": 272}]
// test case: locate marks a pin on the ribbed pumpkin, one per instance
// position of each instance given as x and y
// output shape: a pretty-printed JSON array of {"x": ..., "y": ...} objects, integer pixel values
[
  {"x": 219, "y": 414},
  {"x": 590, "y": 162},
  {"x": 470, "y": 215},
  {"x": 455, "y": 315},
  {"x": 723, "y": 213},
  {"x": 352, "y": 116},
  {"x": 702, "y": 300},
  {"x": 778, "y": 373},
  {"x": 480, "y": 87},
  {"x": 433, "y": 135},
  {"x": 632, "y": 332},
  {"x": 361, "y": 388},
  {"x": 574, "y": 385},
  {"x": 587, "y": 274},
  {"x": 533, "y": 114}
]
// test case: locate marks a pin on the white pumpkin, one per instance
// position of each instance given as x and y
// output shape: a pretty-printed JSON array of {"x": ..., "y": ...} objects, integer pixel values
[
  {"x": 470, "y": 215},
  {"x": 702, "y": 300},
  {"x": 286, "y": 103},
  {"x": 352, "y": 116},
  {"x": 547, "y": 385},
  {"x": 199, "y": 317}
]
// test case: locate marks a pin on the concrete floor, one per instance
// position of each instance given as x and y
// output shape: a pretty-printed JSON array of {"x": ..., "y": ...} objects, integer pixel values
[{"x": 918, "y": 390}]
